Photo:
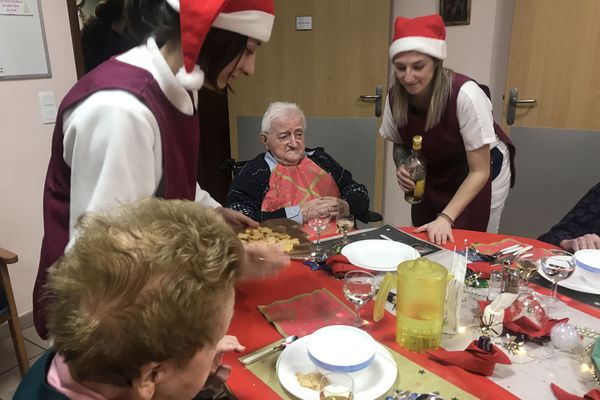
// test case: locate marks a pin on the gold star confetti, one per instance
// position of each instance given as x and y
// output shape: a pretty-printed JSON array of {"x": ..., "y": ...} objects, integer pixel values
[{"x": 512, "y": 344}]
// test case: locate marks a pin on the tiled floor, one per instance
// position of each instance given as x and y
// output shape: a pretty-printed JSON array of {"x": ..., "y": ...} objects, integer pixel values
[{"x": 9, "y": 372}]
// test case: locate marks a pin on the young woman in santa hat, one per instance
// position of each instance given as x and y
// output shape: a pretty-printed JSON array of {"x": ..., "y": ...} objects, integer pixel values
[
  {"x": 468, "y": 156},
  {"x": 129, "y": 129}
]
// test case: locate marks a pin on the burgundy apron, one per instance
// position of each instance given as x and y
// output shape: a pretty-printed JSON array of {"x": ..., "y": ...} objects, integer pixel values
[
  {"x": 180, "y": 141},
  {"x": 447, "y": 167}
]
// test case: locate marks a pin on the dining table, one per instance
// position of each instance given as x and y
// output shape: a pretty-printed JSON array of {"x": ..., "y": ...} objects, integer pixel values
[{"x": 254, "y": 331}]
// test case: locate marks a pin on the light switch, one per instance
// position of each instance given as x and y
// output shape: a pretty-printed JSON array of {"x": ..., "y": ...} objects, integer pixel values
[
  {"x": 304, "y": 23},
  {"x": 47, "y": 107}
]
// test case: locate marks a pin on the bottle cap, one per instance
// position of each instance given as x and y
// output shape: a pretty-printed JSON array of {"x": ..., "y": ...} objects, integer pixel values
[{"x": 417, "y": 141}]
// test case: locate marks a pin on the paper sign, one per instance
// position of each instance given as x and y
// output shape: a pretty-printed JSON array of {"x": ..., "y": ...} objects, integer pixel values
[
  {"x": 14, "y": 7},
  {"x": 304, "y": 23},
  {"x": 47, "y": 107}
]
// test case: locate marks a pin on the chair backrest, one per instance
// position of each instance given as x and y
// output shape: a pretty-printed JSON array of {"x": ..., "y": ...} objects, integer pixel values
[{"x": 9, "y": 312}]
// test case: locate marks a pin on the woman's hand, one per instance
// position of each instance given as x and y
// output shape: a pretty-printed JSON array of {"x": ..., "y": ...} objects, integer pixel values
[
  {"x": 403, "y": 178},
  {"x": 439, "y": 231},
  {"x": 236, "y": 218},
  {"x": 589, "y": 241},
  {"x": 262, "y": 260}
]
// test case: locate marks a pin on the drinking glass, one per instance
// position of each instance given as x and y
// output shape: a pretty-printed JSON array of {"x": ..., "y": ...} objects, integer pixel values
[
  {"x": 318, "y": 221},
  {"x": 527, "y": 264},
  {"x": 344, "y": 223},
  {"x": 359, "y": 288},
  {"x": 336, "y": 386},
  {"x": 557, "y": 265}
]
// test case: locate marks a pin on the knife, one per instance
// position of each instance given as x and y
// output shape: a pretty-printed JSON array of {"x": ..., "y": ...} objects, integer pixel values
[{"x": 259, "y": 355}]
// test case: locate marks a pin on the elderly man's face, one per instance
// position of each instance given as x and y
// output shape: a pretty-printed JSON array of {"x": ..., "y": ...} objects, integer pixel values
[{"x": 286, "y": 140}]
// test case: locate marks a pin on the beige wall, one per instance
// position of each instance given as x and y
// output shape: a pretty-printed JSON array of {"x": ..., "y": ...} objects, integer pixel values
[
  {"x": 479, "y": 50},
  {"x": 25, "y": 150}
]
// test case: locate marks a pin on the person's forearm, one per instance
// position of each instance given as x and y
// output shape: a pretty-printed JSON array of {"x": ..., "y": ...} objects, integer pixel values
[
  {"x": 466, "y": 192},
  {"x": 400, "y": 153}
]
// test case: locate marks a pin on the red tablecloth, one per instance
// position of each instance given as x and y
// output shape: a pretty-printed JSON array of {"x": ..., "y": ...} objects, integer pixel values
[{"x": 254, "y": 331}]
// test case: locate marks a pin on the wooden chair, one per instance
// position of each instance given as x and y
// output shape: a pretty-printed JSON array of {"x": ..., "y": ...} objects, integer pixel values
[{"x": 8, "y": 309}]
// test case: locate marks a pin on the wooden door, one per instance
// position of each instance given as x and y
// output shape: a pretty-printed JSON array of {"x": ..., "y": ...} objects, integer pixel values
[
  {"x": 554, "y": 58},
  {"x": 325, "y": 71}
]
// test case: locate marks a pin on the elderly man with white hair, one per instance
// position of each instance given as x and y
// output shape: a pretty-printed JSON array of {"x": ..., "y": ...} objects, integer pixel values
[{"x": 289, "y": 179}]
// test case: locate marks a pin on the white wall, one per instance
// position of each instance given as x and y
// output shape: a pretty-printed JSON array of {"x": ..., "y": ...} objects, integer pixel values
[
  {"x": 479, "y": 50},
  {"x": 25, "y": 149}
]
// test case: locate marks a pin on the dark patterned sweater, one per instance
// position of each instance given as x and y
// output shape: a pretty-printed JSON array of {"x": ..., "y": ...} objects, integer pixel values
[
  {"x": 584, "y": 218},
  {"x": 250, "y": 186}
]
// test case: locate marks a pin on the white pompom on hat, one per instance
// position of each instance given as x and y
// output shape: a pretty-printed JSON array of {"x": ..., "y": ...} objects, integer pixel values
[
  {"x": 426, "y": 34},
  {"x": 252, "y": 18}
]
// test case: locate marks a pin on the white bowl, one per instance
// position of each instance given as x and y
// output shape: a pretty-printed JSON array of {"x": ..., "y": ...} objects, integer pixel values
[
  {"x": 341, "y": 348},
  {"x": 588, "y": 263}
]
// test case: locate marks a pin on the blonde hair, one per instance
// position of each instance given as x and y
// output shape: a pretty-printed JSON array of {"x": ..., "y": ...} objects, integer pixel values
[
  {"x": 442, "y": 85},
  {"x": 142, "y": 284}
]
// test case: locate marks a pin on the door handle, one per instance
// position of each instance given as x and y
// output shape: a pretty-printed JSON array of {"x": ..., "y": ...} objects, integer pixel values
[
  {"x": 376, "y": 98},
  {"x": 513, "y": 102}
]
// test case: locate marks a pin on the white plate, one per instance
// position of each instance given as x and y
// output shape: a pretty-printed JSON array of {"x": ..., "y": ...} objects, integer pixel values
[
  {"x": 373, "y": 382},
  {"x": 575, "y": 282},
  {"x": 379, "y": 255}
]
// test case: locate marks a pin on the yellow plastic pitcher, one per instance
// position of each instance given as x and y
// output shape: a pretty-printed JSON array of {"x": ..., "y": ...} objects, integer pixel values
[{"x": 421, "y": 296}]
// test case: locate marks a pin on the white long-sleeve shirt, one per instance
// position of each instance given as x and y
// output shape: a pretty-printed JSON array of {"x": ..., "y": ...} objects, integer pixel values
[
  {"x": 474, "y": 114},
  {"x": 112, "y": 141}
]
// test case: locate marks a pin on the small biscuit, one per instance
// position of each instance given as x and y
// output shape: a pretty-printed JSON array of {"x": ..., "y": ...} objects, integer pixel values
[
  {"x": 267, "y": 235},
  {"x": 311, "y": 380}
]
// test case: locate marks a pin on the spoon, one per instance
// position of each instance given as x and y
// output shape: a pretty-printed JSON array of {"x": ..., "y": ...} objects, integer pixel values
[{"x": 268, "y": 351}]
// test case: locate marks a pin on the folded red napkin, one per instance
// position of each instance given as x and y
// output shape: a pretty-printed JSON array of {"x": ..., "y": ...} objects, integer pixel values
[
  {"x": 562, "y": 395},
  {"x": 484, "y": 268},
  {"x": 495, "y": 247},
  {"x": 340, "y": 264},
  {"x": 527, "y": 327},
  {"x": 472, "y": 359}
]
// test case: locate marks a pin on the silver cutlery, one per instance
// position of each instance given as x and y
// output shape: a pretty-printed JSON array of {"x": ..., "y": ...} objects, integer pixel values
[{"x": 259, "y": 355}]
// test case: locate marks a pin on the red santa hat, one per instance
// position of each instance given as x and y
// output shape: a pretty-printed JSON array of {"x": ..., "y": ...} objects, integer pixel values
[
  {"x": 425, "y": 34},
  {"x": 252, "y": 18}
]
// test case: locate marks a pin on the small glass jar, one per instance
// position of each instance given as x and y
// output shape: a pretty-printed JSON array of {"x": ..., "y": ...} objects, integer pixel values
[{"x": 495, "y": 285}]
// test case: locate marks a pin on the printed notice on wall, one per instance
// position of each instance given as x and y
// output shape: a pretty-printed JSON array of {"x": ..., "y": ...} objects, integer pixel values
[{"x": 14, "y": 7}]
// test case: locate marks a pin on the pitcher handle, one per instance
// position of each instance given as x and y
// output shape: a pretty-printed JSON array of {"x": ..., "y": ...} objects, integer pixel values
[{"x": 387, "y": 284}]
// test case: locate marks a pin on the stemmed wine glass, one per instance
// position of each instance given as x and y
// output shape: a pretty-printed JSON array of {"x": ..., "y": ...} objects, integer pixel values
[
  {"x": 557, "y": 265},
  {"x": 318, "y": 221},
  {"x": 359, "y": 288},
  {"x": 344, "y": 223}
]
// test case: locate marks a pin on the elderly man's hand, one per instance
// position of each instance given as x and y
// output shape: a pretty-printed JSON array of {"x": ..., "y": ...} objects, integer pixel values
[
  {"x": 327, "y": 206},
  {"x": 262, "y": 260},
  {"x": 589, "y": 241}
]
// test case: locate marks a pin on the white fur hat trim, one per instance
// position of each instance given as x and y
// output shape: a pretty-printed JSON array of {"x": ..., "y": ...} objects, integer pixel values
[
  {"x": 433, "y": 47},
  {"x": 252, "y": 23},
  {"x": 190, "y": 80},
  {"x": 174, "y": 4}
]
